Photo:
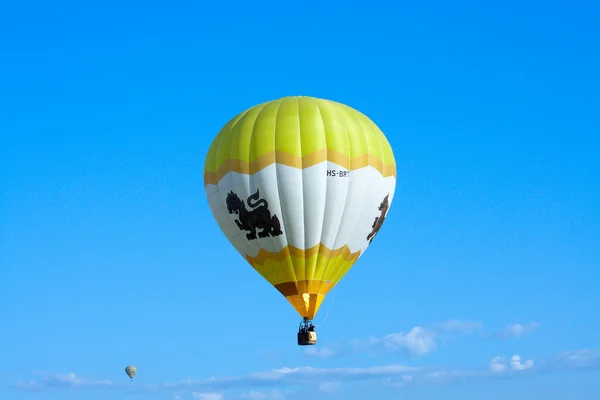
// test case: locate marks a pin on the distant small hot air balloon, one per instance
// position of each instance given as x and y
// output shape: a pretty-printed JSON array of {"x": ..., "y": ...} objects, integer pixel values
[
  {"x": 130, "y": 371},
  {"x": 300, "y": 186}
]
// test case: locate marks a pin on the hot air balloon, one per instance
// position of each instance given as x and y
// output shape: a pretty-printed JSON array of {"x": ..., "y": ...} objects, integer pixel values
[
  {"x": 300, "y": 186},
  {"x": 130, "y": 371}
]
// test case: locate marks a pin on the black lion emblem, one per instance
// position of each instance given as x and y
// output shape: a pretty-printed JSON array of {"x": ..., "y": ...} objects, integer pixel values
[
  {"x": 383, "y": 207},
  {"x": 257, "y": 218}
]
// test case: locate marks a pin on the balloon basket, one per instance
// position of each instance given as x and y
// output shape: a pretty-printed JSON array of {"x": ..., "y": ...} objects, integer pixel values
[
  {"x": 307, "y": 338},
  {"x": 306, "y": 333}
]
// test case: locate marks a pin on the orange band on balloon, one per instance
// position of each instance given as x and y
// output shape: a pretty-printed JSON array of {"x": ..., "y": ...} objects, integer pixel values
[{"x": 290, "y": 160}]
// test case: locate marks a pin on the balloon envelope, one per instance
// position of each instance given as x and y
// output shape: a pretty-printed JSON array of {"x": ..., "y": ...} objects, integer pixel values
[
  {"x": 300, "y": 186},
  {"x": 130, "y": 371}
]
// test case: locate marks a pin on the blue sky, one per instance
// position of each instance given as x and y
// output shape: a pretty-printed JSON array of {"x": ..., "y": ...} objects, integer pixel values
[{"x": 109, "y": 254}]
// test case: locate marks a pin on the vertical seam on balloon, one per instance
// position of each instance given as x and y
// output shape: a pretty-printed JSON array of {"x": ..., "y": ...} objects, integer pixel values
[
  {"x": 251, "y": 181},
  {"x": 325, "y": 209},
  {"x": 250, "y": 172},
  {"x": 279, "y": 193},
  {"x": 247, "y": 177},
  {"x": 303, "y": 194},
  {"x": 365, "y": 191},
  {"x": 302, "y": 186},
  {"x": 230, "y": 174},
  {"x": 337, "y": 233},
  {"x": 221, "y": 193}
]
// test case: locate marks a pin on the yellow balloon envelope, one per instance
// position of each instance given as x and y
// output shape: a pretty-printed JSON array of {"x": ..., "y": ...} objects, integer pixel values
[{"x": 300, "y": 186}]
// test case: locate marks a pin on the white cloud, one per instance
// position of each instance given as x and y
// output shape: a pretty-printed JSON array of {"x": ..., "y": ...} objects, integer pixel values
[
  {"x": 265, "y": 395},
  {"x": 517, "y": 365},
  {"x": 322, "y": 352},
  {"x": 293, "y": 378},
  {"x": 329, "y": 387},
  {"x": 207, "y": 396},
  {"x": 498, "y": 364},
  {"x": 585, "y": 358},
  {"x": 458, "y": 326},
  {"x": 518, "y": 330},
  {"x": 274, "y": 384},
  {"x": 418, "y": 341},
  {"x": 59, "y": 380},
  {"x": 435, "y": 374}
]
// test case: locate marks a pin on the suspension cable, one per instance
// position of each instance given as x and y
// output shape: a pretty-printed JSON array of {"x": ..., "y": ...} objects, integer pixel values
[{"x": 330, "y": 307}]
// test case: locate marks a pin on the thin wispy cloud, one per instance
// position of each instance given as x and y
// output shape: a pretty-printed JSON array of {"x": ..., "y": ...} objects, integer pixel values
[
  {"x": 329, "y": 387},
  {"x": 264, "y": 395},
  {"x": 419, "y": 340},
  {"x": 207, "y": 396},
  {"x": 274, "y": 384},
  {"x": 322, "y": 352},
  {"x": 581, "y": 359},
  {"x": 62, "y": 381},
  {"x": 519, "y": 331},
  {"x": 416, "y": 342},
  {"x": 464, "y": 327}
]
